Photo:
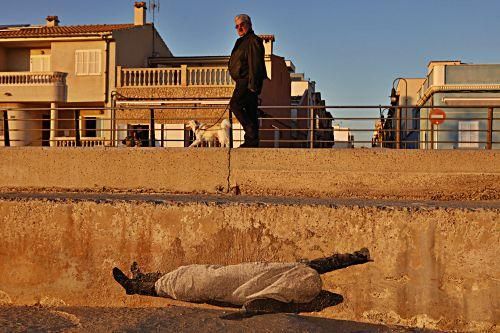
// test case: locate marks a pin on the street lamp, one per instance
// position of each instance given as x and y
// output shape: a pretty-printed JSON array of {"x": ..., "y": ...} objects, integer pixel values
[
  {"x": 395, "y": 102},
  {"x": 394, "y": 97}
]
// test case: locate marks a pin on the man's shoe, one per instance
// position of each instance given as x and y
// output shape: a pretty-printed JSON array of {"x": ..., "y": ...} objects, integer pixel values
[{"x": 123, "y": 280}]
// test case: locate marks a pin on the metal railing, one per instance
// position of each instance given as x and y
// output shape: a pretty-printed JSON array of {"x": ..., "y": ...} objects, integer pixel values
[{"x": 467, "y": 127}]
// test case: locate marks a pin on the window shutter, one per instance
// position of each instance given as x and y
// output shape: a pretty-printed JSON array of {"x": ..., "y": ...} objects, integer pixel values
[
  {"x": 88, "y": 62},
  {"x": 468, "y": 135}
]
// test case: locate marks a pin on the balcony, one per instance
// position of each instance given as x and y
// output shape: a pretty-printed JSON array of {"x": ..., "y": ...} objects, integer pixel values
[
  {"x": 84, "y": 142},
  {"x": 180, "y": 82},
  {"x": 32, "y": 86}
]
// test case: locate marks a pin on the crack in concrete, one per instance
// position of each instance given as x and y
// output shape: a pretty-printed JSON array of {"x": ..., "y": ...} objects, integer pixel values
[{"x": 229, "y": 170}]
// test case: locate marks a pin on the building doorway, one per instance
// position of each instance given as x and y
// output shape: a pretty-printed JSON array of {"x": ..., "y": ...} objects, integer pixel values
[{"x": 142, "y": 132}]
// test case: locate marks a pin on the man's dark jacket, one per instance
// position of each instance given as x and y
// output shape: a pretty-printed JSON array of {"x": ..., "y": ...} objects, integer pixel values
[{"x": 247, "y": 61}]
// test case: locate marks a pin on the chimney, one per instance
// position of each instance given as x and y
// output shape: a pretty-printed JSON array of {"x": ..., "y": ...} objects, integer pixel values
[
  {"x": 140, "y": 13},
  {"x": 52, "y": 21},
  {"x": 268, "y": 44}
]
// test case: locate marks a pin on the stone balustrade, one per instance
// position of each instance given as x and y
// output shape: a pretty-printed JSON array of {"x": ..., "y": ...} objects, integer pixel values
[
  {"x": 32, "y": 78},
  {"x": 213, "y": 76},
  {"x": 85, "y": 142}
]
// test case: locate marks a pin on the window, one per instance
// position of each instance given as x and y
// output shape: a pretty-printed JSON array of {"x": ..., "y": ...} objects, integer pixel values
[
  {"x": 468, "y": 135},
  {"x": 40, "y": 63},
  {"x": 88, "y": 62},
  {"x": 93, "y": 127}
]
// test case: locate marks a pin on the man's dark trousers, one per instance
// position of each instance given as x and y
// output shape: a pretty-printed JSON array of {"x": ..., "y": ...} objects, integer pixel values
[{"x": 244, "y": 104}]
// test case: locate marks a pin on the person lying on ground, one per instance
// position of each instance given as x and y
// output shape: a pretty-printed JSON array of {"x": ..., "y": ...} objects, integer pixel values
[{"x": 258, "y": 287}]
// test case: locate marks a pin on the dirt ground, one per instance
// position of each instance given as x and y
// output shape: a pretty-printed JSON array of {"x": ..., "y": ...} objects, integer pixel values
[{"x": 168, "y": 319}]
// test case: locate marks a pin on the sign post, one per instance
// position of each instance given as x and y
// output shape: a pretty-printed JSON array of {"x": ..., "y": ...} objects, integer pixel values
[{"x": 436, "y": 117}]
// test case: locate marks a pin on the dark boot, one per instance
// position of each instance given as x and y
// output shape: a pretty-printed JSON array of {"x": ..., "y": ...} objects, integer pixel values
[
  {"x": 339, "y": 261},
  {"x": 140, "y": 286},
  {"x": 137, "y": 274}
]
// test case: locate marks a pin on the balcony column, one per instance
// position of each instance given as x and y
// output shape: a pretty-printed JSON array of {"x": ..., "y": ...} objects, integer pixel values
[
  {"x": 184, "y": 75},
  {"x": 54, "y": 115}
]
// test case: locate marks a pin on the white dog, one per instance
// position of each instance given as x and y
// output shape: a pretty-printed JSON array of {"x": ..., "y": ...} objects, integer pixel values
[{"x": 203, "y": 133}]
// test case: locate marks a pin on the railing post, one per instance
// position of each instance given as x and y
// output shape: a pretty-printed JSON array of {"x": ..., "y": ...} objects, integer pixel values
[
  {"x": 152, "y": 127},
  {"x": 77, "y": 128},
  {"x": 231, "y": 129},
  {"x": 118, "y": 76},
  {"x": 6, "y": 136},
  {"x": 432, "y": 135},
  {"x": 184, "y": 78},
  {"x": 311, "y": 125},
  {"x": 489, "y": 139},
  {"x": 398, "y": 128},
  {"x": 53, "y": 124}
]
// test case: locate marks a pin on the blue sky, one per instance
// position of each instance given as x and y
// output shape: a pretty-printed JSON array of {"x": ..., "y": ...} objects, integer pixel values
[{"x": 353, "y": 49}]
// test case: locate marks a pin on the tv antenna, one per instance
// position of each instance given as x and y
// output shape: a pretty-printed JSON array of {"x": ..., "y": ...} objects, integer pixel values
[{"x": 154, "y": 7}]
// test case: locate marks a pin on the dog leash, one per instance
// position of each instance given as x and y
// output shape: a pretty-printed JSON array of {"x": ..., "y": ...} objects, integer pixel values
[{"x": 220, "y": 118}]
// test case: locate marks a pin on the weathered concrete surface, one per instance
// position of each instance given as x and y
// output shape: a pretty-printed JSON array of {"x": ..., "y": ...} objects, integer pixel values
[
  {"x": 178, "y": 170},
  {"x": 368, "y": 173},
  {"x": 169, "y": 319},
  {"x": 434, "y": 267},
  {"x": 359, "y": 173}
]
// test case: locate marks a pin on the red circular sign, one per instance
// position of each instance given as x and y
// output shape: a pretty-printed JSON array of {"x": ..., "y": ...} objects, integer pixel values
[{"x": 437, "y": 116}]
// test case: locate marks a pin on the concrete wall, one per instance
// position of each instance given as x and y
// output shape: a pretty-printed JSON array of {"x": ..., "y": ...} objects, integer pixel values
[
  {"x": 175, "y": 171},
  {"x": 445, "y": 175},
  {"x": 433, "y": 267},
  {"x": 81, "y": 88},
  {"x": 134, "y": 46},
  {"x": 276, "y": 91},
  {"x": 18, "y": 60},
  {"x": 3, "y": 59}
]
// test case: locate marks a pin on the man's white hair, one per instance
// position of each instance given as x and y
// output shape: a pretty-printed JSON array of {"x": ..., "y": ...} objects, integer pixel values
[{"x": 244, "y": 18}]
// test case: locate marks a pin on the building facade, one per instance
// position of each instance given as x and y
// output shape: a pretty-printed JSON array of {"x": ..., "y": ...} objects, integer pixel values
[
  {"x": 467, "y": 93},
  {"x": 73, "y": 67},
  {"x": 312, "y": 126},
  {"x": 99, "y": 84}
]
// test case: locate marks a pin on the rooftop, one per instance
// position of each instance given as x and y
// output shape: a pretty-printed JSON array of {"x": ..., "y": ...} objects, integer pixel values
[{"x": 61, "y": 31}]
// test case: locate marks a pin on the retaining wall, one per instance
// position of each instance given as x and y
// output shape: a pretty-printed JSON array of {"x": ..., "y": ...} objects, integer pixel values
[
  {"x": 363, "y": 173},
  {"x": 434, "y": 267}
]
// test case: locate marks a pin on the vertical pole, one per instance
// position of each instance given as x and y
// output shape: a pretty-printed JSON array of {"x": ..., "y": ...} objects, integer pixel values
[
  {"x": 398, "y": 128},
  {"x": 162, "y": 135},
  {"x": 114, "y": 136},
  {"x": 54, "y": 114},
  {"x": 311, "y": 125},
  {"x": 78, "y": 142},
  {"x": 6, "y": 136},
  {"x": 489, "y": 140},
  {"x": 432, "y": 135},
  {"x": 231, "y": 129},
  {"x": 152, "y": 127}
]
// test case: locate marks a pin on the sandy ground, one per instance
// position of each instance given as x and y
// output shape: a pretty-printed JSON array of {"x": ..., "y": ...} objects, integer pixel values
[{"x": 169, "y": 319}]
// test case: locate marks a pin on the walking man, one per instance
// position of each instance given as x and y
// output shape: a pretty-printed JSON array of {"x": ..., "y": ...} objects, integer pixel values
[{"x": 248, "y": 70}]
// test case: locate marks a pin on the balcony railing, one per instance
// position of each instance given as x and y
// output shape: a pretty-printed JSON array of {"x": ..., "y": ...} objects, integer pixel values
[
  {"x": 32, "y": 78},
  {"x": 174, "y": 77},
  {"x": 85, "y": 142}
]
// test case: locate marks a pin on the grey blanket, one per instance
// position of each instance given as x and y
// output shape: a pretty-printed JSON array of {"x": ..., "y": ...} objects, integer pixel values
[{"x": 237, "y": 284}]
